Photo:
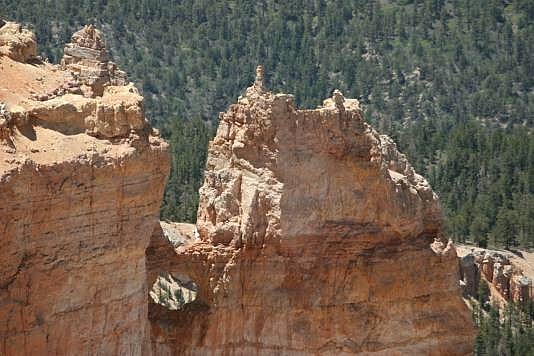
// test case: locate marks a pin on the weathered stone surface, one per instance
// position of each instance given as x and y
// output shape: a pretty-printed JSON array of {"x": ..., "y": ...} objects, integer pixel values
[
  {"x": 520, "y": 288},
  {"x": 16, "y": 42},
  {"x": 315, "y": 236},
  {"x": 81, "y": 182},
  {"x": 5, "y": 122},
  {"x": 115, "y": 114},
  {"x": 86, "y": 53},
  {"x": 86, "y": 56},
  {"x": 487, "y": 267},
  {"x": 501, "y": 279}
]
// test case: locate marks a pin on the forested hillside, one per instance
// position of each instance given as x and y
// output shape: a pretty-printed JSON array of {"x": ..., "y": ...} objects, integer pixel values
[
  {"x": 450, "y": 80},
  {"x": 507, "y": 331}
]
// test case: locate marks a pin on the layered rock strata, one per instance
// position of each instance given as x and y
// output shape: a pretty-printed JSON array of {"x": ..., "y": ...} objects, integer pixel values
[
  {"x": 314, "y": 236},
  {"x": 81, "y": 182},
  {"x": 508, "y": 275},
  {"x": 86, "y": 56}
]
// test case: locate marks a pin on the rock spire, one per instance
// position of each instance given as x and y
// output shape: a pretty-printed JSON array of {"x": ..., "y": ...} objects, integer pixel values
[
  {"x": 87, "y": 57},
  {"x": 258, "y": 81}
]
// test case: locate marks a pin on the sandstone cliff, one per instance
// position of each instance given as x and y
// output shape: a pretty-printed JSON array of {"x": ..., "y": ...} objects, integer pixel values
[
  {"x": 314, "y": 236},
  {"x": 81, "y": 180}
]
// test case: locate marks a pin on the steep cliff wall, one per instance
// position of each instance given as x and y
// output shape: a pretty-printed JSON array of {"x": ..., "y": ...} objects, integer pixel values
[
  {"x": 81, "y": 180},
  {"x": 315, "y": 236}
]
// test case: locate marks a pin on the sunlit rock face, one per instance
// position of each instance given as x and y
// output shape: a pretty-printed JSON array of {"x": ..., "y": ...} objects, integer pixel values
[
  {"x": 81, "y": 183},
  {"x": 86, "y": 56},
  {"x": 17, "y": 42},
  {"x": 314, "y": 236}
]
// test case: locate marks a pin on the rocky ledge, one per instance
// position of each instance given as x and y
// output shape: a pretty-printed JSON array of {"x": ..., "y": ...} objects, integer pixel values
[
  {"x": 314, "y": 236},
  {"x": 81, "y": 180}
]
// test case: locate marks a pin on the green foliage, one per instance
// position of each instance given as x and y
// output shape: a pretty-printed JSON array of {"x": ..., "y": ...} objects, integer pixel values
[
  {"x": 451, "y": 81},
  {"x": 189, "y": 143},
  {"x": 484, "y": 177},
  {"x": 510, "y": 332}
]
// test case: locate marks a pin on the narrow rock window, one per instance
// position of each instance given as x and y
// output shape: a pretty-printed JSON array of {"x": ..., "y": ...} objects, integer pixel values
[{"x": 173, "y": 292}]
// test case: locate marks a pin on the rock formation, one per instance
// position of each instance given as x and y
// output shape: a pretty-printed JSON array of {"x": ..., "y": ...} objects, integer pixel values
[
  {"x": 314, "y": 236},
  {"x": 17, "y": 42},
  {"x": 81, "y": 182},
  {"x": 88, "y": 58},
  {"x": 508, "y": 275},
  {"x": 469, "y": 275}
]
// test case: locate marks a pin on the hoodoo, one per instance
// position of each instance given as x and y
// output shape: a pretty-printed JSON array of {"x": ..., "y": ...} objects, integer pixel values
[
  {"x": 81, "y": 182},
  {"x": 314, "y": 236}
]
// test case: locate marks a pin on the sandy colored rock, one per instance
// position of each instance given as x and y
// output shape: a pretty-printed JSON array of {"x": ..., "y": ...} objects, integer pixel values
[
  {"x": 315, "y": 236},
  {"x": 113, "y": 115},
  {"x": 22, "y": 84},
  {"x": 86, "y": 56},
  {"x": 487, "y": 267},
  {"x": 520, "y": 289},
  {"x": 52, "y": 95},
  {"x": 17, "y": 42},
  {"x": 6, "y": 122},
  {"x": 81, "y": 183}
]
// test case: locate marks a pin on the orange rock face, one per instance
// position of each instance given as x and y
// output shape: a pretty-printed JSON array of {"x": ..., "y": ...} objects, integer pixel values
[
  {"x": 81, "y": 182},
  {"x": 314, "y": 236}
]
